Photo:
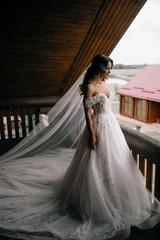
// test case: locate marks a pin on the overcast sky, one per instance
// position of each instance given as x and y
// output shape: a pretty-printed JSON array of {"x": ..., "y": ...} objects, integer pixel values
[{"x": 141, "y": 42}]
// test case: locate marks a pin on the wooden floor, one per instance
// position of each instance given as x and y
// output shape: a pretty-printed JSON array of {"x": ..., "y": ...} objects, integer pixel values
[{"x": 136, "y": 234}]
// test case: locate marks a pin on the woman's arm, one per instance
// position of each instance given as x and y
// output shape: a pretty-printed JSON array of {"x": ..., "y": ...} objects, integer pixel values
[{"x": 93, "y": 141}]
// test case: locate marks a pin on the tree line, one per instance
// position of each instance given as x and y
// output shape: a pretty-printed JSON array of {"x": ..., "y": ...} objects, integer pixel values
[{"x": 123, "y": 66}]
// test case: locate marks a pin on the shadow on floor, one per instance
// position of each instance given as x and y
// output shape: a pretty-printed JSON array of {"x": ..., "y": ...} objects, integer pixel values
[{"x": 149, "y": 234}]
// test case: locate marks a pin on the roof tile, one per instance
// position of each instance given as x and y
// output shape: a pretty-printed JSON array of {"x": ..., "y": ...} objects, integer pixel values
[{"x": 146, "y": 84}]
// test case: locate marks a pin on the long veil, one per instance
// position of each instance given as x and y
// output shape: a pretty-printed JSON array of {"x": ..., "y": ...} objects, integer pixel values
[
  {"x": 33, "y": 172},
  {"x": 62, "y": 128}
]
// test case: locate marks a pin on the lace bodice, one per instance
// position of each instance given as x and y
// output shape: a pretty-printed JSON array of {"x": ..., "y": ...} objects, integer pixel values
[{"x": 100, "y": 103}]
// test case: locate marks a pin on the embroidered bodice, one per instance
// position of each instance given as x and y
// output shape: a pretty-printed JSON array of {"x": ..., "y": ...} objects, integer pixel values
[{"x": 100, "y": 103}]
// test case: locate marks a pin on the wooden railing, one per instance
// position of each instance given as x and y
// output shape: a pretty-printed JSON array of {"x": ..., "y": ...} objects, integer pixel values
[
  {"x": 18, "y": 116},
  {"x": 146, "y": 152},
  {"x": 17, "y": 122}
]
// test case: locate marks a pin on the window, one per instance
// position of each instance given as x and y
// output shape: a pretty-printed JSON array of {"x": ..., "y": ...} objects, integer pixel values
[
  {"x": 141, "y": 109},
  {"x": 128, "y": 106}
]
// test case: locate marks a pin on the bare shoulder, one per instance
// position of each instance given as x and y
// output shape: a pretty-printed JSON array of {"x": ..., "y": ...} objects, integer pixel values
[{"x": 89, "y": 90}]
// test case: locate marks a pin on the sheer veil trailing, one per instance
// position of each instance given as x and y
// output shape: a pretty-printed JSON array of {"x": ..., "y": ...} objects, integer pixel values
[
  {"x": 49, "y": 187},
  {"x": 62, "y": 127}
]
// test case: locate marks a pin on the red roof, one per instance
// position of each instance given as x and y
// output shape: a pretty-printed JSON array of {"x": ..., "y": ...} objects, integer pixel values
[{"x": 146, "y": 84}]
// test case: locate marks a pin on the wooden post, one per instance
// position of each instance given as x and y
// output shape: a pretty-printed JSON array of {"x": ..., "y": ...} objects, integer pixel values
[
  {"x": 9, "y": 123},
  {"x": 16, "y": 122},
  {"x": 142, "y": 164},
  {"x": 157, "y": 183},
  {"x": 22, "y": 112},
  {"x": 149, "y": 175},
  {"x": 30, "y": 120},
  {"x": 2, "y": 125},
  {"x": 134, "y": 155}
]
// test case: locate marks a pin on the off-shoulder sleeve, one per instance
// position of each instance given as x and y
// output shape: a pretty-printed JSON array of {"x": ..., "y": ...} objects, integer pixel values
[{"x": 89, "y": 102}]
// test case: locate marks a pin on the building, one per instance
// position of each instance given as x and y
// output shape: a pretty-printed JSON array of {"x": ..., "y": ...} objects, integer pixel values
[{"x": 140, "y": 97}]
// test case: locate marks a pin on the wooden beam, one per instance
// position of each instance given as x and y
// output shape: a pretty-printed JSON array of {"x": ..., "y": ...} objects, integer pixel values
[{"x": 29, "y": 101}]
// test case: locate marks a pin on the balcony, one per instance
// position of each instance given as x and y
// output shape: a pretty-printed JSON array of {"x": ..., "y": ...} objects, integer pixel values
[{"x": 17, "y": 122}]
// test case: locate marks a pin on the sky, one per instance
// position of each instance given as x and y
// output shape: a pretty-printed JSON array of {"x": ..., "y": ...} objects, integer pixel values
[{"x": 141, "y": 42}]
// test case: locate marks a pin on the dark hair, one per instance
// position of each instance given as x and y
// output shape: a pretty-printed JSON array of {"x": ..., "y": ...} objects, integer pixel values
[{"x": 97, "y": 67}]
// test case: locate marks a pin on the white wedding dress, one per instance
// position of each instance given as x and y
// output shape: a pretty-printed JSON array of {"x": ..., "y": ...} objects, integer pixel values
[{"x": 77, "y": 194}]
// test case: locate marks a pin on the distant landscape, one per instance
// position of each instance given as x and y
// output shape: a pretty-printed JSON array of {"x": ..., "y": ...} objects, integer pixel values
[
  {"x": 120, "y": 75},
  {"x": 123, "y": 66},
  {"x": 125, "y": 72}
]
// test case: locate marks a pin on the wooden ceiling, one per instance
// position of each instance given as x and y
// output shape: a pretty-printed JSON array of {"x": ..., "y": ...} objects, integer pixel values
[{"x": 45, "y": 45}]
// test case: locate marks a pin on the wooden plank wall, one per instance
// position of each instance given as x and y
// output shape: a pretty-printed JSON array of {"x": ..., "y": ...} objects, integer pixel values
[
  {"x": 45, "y": 45},
  {"x": 39, "y": 42},
  {"x": 111, "y": 23}
]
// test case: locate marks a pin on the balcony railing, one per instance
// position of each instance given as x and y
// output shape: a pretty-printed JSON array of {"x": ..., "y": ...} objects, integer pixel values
[
  {"x": 18, "y": 116},
  {"x": 17, "y": 122},
  {"x": 146, "y": 152}
]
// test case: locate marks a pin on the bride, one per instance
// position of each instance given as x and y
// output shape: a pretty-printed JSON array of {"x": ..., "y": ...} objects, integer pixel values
[{"x": 72, "y": 180}]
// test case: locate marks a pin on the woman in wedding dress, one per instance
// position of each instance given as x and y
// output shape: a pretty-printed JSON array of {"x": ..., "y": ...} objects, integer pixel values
[{"x": 93, "y": 192}]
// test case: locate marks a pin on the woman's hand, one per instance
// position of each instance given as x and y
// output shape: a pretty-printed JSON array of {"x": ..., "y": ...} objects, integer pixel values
[{"x": 93, "y": 142}]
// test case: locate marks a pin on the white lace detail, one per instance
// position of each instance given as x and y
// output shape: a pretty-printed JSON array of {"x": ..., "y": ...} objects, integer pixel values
[{"x": 100, "y": 103}]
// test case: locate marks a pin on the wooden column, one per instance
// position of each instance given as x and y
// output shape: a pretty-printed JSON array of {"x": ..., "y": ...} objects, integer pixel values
[{"x": 157, "y": 182}]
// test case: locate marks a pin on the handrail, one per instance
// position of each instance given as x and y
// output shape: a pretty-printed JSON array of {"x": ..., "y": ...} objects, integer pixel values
[
  {"x": 146, "y": 151},
  {"x": 142, "y": 144}
]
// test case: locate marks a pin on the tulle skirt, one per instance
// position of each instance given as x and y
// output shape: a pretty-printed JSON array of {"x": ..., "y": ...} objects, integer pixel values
[{"x": 77, "y": 194}]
